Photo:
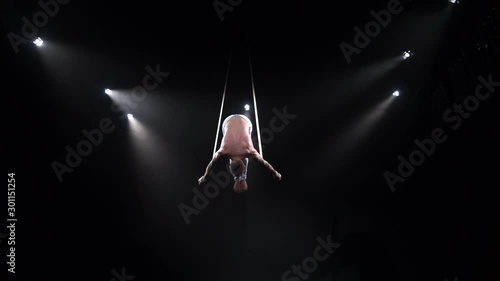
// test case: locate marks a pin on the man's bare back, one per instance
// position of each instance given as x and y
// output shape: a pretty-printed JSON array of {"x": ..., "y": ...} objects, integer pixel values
[
  {"x": 237, "y": 145},
  {"x": 237, "y": 141}
]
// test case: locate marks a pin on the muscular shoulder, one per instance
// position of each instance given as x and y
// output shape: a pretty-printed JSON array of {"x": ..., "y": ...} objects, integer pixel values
[
  {"x": 221, "y": 153},
  {"x": 252, "y": 153}
]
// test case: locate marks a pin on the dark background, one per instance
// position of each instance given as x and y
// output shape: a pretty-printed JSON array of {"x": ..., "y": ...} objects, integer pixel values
[{"x": 119, "y": 207}]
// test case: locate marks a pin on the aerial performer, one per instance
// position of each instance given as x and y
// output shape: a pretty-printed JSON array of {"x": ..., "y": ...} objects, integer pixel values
[{"x": 237, "y": 146}]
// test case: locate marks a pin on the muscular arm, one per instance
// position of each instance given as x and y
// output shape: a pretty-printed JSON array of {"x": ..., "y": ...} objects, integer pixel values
[
  {"x": 217, "y": 157},
  {"x": 266, "y": 164}
]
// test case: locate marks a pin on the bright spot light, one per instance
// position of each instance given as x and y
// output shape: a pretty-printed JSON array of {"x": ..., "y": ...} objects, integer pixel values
[
  {"x": 38, "y": 42},
  {"x": 454, "y": 1},
  {"x": 247, "y": 107},
  {"x": 107, "y": 91},
  {"x": 130, "y": 116},
  {"x": 396, "y": 94},
  {"x": 407, "y": 54}
]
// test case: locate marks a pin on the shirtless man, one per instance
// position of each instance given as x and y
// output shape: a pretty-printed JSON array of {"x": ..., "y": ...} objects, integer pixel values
[{"x": 237, "y": 145}]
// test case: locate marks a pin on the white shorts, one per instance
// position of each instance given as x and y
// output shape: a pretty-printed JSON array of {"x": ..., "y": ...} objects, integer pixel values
[{"x": 250, "y": 127}]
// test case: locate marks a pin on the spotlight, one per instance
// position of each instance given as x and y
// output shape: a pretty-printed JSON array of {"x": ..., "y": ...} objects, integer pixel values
[
  {"x": 130, "y": 116},
  {"x": 107, "y": 91},
  {"x": 454, "y": 1},
  {"x": 407, "y": 54},
  {"x": 396, "y": 94},
  {"x": 247, "y": 107},
  {"x": 38, "y": 42}
]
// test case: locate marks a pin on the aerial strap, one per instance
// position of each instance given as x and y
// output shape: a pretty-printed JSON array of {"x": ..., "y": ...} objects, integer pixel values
[
  {"x": 255, "y": 102},
  {"x": 222, "y": 104}
]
